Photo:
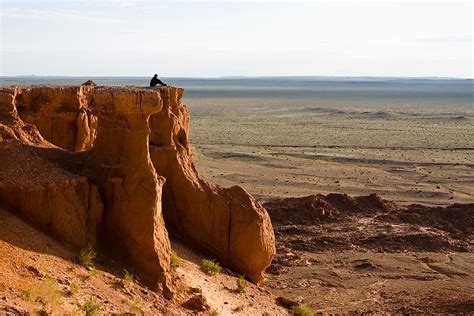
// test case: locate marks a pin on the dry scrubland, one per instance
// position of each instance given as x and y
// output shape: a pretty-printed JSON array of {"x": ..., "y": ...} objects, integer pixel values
[
  {"x": 287, "y": 152},
  {"x": 353, "y": 263}
]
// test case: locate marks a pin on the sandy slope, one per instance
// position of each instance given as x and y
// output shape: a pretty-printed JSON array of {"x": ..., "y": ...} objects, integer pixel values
[
  {"x": 38, "y": 273},
  {"x": 220, "y": 289},
  {"x": 34, "y": 265}
]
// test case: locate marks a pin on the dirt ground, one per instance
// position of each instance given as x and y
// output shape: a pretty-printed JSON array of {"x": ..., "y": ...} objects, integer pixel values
[
  {"x": 278, "y": 148},
  {"x": 367, "y": 262},
  {"x": 269, "y": 173},
  {"x": 360, "y": 255},
  {"x": 40, "y": 275},
  {"x": 221, "y": 289}
]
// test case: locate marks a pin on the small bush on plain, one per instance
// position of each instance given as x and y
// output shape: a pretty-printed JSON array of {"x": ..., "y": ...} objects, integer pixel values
[
  {"x": 302, "y": 310},
  {"x": 73, "y": 288},
  {"x": 93, "y": 271},
  {"x": 211, "y": 267},
  {"x": 136, "y": 308},
  {"x": 46, "y": 292},
  {"x": 86, "y": 256},
  {"x": 91, "y": 308},
  {"x": 128, "y": 277},
  {"x": 241, "y": 284},
  {"x": 175, "y": 260}
]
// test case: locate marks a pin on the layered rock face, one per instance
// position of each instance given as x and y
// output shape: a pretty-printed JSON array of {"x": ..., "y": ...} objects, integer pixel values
[
  {"x": 102, "y": 165},
  {"x": 121, "y": 164},
  {"x": 226, "y": 223},
  {"x": 36, "y": 179},
  {"x": 61, "y": 114}
]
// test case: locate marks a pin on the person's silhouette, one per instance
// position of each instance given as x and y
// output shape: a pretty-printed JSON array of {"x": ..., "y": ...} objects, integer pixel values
[{"x": 154, "y": 81}]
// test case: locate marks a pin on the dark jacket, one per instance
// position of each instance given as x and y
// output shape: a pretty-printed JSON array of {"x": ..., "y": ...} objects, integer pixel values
[{"x": 154, "y": 81}]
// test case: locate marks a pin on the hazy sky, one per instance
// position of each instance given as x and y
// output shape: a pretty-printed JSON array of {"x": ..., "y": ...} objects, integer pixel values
[{"x": 223, "y": 38}]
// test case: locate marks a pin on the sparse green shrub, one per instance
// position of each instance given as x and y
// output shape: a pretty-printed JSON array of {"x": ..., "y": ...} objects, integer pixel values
[
  {"x": 302, "y": 310},
  {"x": 86, "y": 256},
  {"x": 241, "y": 284},
  {"x": 214, "y": 313},
  {"x": 128, "y": 277},
  {"x": 73, "y": 288},
  {"x": 136, "y": 307},
  {"x": 91, "y": 308},
  {"x": 210, "y": 267},
  {"x": 46, "y": 292},
  {"x": 93, "y": 271},
  {"x": 175, "y": 260},
  {"x": 371, "y": 264}
]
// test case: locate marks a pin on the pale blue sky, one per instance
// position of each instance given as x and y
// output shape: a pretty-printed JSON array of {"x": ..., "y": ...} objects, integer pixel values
[{"x": 223, "y": 38}]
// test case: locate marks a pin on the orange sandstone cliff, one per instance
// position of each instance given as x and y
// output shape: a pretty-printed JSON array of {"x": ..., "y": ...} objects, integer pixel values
[{"x": 112, "y": 166}]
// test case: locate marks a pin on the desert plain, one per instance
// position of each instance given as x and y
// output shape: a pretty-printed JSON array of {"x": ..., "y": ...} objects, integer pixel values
[
  {"x": 295, "y": 151},
  {"x": 279, "y": 149}
]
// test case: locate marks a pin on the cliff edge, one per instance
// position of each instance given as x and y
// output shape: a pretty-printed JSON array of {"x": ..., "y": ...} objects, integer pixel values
[{"x": 112, "y": 166}]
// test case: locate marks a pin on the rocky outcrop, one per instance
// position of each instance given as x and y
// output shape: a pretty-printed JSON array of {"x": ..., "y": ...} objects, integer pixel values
[
  {"x": 113, "y": 167},
  {"x": 61, "y": 114},
  {"x": 57, "y": 200},
  {"x": 71, "y": 209},
  {"x": 226, "y": 223},
  {"x": 121, "y": 163}
]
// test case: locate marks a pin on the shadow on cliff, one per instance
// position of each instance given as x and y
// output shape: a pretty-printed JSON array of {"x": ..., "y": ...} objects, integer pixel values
[
  {"x": 44, "y": 166},
  {"x": 19, "y": 233},
  {"x": 73, "y": 162}
]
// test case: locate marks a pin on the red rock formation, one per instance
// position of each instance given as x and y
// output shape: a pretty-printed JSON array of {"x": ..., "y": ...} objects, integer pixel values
[
  {"x": 226, "y": 223},
  {"x": 51, "y": 196},
  {"x": 121, "y": 162},
  {"x": 105, "y": 182},
  {"x": 61, "y": 114}
]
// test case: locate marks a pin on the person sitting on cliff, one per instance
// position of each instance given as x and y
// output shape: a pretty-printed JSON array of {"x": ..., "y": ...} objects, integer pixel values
[{"x": 154, "y": 81}]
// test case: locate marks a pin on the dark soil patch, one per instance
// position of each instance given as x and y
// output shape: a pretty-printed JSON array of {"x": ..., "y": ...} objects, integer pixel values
[{"x": 319, "y": 223}]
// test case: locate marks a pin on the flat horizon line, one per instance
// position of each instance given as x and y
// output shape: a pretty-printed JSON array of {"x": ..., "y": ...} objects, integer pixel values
[{"x": 368, "y": 78}]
